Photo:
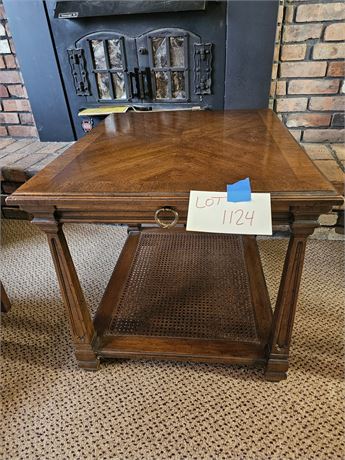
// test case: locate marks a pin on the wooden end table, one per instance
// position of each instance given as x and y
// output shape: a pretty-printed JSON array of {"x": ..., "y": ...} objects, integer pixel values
[{"x": 176, "y": 294}]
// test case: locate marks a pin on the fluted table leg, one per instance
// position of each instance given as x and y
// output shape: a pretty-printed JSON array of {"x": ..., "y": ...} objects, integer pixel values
[
  {"x": 82, "y": 329},
  {"x": 284, "y": 314}
]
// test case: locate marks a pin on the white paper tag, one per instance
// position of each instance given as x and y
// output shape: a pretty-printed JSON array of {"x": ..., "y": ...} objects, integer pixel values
[{"x": 211, "y": 212}]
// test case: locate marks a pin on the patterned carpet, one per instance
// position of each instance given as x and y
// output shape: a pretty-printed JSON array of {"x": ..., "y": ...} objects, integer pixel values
[{"x": 163, "y": 410}]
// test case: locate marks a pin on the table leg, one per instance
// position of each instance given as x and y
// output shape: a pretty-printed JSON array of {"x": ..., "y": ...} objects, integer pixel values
[
  {"x": 82, "y": 329},
  {"x": 284, "y": 313},
  {"x": 5, "y": 302}
]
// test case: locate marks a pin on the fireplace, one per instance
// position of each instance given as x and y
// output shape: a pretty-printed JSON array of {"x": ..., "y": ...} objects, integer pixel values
[{"x": 146, "y": 55}]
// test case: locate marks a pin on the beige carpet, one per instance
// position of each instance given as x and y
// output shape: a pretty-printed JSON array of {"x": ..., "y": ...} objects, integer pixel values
[{"x": 163, "y": 410}]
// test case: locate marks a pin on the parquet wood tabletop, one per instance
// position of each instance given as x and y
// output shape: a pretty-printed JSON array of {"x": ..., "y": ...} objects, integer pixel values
[{"x": 171, "y": 153}]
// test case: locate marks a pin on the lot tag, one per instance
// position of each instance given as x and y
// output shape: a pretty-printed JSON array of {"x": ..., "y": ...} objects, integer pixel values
[{"x": 211, "y": 212}]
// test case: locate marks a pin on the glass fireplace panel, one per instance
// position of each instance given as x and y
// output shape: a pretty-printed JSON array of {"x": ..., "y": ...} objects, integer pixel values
[
  {"x": 162, "y": 81},
  {"x": 98, "y": 54},
  {"x": 176, "y": 51},
  {"x": 103, "y": 85},
  {"x": 109, "y": 68},
  {"x": 115, "y": 54},
  {"x": 169, "y": 61},
  {"x": 119, "y": 85},
  {"x": 178, "y": 85},
  {"x": 159, "y": 48}
]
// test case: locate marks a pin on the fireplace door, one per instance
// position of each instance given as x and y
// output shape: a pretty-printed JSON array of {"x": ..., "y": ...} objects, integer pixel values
[{"x": 158, "y": 66}]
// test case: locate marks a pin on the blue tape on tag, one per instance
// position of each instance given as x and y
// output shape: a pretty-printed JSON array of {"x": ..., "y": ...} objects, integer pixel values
[{"x": 239, "y": 191}]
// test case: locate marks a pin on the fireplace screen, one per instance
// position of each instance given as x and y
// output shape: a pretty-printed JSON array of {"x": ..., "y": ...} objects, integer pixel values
[
  {"x": 159, "y": 66},
  {"x": 170, "y": 66},
  {"x": 108, "y": 68}
]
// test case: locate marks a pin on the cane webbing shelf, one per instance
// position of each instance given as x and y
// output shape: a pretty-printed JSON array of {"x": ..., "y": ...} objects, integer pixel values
[{"x": 185, "y": 285}]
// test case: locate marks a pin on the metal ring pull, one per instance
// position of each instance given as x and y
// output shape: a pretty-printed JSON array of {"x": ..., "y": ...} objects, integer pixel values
[{"x": 166, "y": 224}]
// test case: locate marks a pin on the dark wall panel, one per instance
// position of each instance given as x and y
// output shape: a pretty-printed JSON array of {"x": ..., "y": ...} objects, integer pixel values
[
  {"x": 34, "y": 48},
  {"x": 250, "y": 45}
]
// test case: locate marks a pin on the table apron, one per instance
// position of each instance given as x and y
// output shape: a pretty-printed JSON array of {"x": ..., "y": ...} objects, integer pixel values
[{"x": 281, "y": 214}]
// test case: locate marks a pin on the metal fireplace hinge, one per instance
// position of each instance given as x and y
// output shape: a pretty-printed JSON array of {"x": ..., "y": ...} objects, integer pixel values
[
  {"x": 202, "y": 68},
  {"x": 79, "y": 73}
]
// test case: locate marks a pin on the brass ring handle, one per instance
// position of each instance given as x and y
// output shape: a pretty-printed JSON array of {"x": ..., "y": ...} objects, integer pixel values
[{"x": 166, "y": 224}]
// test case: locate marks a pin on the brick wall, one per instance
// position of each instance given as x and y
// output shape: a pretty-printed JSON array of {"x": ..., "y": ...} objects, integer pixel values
[
  {"x": 307, "y": 79},
  {"x": 16, "y": 119}
]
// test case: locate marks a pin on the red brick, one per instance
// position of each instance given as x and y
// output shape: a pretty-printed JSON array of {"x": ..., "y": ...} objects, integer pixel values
[
  {"x": 5, "y": 142},
  {"x": 301, "y": 32},
  {"x": 2, "y": 63},
  {"x": 273, "y": 88},
  {"x": 339, "y": 151},
  {"x": 276, "y": 52},
  {"x": 291, "y": 104},
  {"x": 335, "y": 32},
  {"x": 280, "y": 14},
  {"x": 330, "y": 169},
  {"x": 11, "y": 158},
  {"x": 296, "y": 120},
  {"x": 313, "y": 86},
  {"x": 26, "y": 119},
  {"x": 16, "y": 105},
  {"x": 31, "y": 171},
  {"x": 10, "y": 76},
  {"x": 324, "y": 135},
  {"x": 318, "y": 151},
  {"x": 10, "y": 62},
  {"x": 3, "y": 131},
  {"x": 9, "y": 118},
  {"x": 289, "y": 13},
  {"x": 15, "y": 172},
  {"x": 17, "y": 90},
  {"x": 19, "y": 146},
  {"x": 329, "y": 51},
  {"x": 293, "y": 52},
  {"x": 22, "y": 131},
  {"x": 303, "y": 69},
  {"x": 278, "y": 34},
  {"x": 54, "y": 147},
  {"x": 281, "y": 88},
  {"x": 28, "y": 148},
  {"x": 296, "y": 133},
  {"x": 327, "y": 103},
  {"x": 336, "y": 69},
  {"x": 3, "y": 91},
  {"x": 320, "y": 12}
]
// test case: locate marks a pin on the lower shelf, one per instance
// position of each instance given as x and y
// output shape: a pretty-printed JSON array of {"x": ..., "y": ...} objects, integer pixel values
[{"x": 183, "y": 295}]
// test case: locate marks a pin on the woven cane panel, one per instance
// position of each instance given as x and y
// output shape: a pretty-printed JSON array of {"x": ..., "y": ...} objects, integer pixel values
[{"x": 187, "y": 285}]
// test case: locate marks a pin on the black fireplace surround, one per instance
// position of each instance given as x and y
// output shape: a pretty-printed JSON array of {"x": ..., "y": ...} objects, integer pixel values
[{"x": 146, "y": 54}]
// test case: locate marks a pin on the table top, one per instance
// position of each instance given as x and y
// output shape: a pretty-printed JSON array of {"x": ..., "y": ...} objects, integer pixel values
[{"x": 150, "y": 154}]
